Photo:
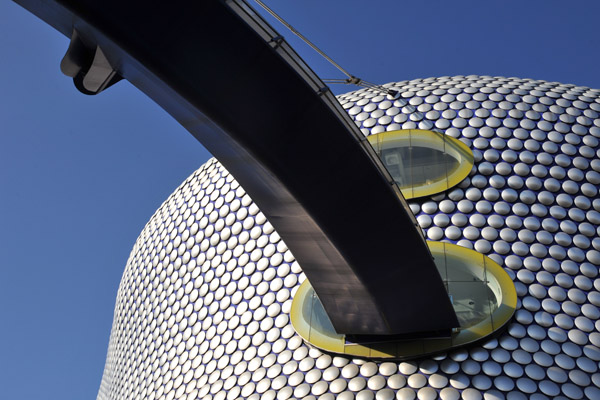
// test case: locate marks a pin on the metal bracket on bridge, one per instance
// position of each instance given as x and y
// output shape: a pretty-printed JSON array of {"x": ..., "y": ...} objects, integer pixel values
[
  {"x": 88, "y": 66},
  {"x": 323, "y": 90},
  {"x": 276, "y": 41}
]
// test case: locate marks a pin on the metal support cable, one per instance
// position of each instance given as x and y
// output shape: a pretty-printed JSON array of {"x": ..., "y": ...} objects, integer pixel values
[
  {"x": 352, "y": 80},
  {"x": 301, "y": 36}
]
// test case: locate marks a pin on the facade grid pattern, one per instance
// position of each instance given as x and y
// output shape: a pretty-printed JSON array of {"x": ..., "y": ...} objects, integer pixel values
[{"x": 202, "y": 311}]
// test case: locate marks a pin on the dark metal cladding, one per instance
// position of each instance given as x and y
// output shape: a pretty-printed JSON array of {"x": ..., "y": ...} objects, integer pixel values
[{"x": 214, "y": 67}]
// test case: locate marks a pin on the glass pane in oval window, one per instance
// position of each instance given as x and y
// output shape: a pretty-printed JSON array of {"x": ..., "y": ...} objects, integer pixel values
[
  {"x": 422, "y": 162},
  {"x": 483, "y": 296}
]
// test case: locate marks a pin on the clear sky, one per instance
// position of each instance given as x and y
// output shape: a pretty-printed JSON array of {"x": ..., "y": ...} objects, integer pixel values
[{"x": 81, "y": 175}]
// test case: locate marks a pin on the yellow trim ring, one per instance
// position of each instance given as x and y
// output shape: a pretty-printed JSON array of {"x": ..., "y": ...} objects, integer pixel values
[{"x": 328, "y": 340}]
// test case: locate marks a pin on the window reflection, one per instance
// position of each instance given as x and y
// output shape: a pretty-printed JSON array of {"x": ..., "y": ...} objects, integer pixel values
[
  {"x": 473, "y": 302},
  {"x": 468, "y": 285},
  {"x": 422, "y": 162},
  {"x": 417, "y": 166}
]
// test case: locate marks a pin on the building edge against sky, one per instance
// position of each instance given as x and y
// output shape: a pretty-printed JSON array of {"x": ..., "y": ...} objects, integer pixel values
[{"x": 203, "y": 306}]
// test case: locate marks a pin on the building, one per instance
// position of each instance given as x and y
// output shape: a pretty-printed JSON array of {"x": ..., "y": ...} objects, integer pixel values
[{"x": 204, "y": 303}]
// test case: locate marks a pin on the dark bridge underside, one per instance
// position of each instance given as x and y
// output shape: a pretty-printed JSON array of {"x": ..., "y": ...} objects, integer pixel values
[{"x": 257, "y": 108}]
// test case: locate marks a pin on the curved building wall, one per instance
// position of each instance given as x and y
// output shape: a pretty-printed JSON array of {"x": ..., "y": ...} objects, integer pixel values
[{"x": 203, "y": 306}]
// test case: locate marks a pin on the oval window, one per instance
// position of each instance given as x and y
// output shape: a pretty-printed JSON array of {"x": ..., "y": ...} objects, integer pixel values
[
  {"x": 422, "y": 162},
  {"x": 482, "y": 294}
]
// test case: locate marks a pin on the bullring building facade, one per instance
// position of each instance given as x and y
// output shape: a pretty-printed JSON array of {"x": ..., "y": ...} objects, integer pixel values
[
  {"x": 424, "y": 239},
  {"x": 205, "y": 306}
]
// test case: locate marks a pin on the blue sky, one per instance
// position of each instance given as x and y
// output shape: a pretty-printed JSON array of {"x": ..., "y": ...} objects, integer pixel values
[{"x": 81, "y": 175}]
